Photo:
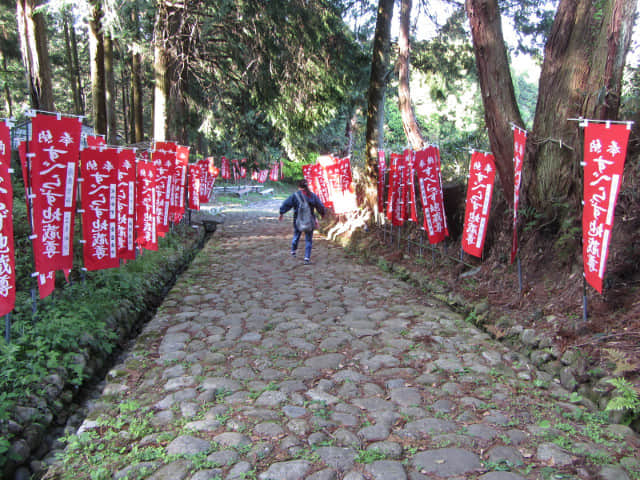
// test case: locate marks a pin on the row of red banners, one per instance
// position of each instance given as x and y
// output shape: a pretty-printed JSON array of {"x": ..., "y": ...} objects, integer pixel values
[
  {"x": 605, "y": 147},
  {"x": 128, "y": 199},
  {"x": 331, "y": 179},
  {"x": 401, "y": 196},
  {"x": 238, "y": 170}
]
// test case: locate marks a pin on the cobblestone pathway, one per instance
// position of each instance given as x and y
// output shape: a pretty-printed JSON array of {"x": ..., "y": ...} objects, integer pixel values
[{"x": 259, "y": 367}]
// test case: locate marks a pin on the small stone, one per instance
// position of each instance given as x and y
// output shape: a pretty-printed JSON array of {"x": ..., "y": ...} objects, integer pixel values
[
  {"x": 550, "y": 452},
  {"x": 446, "y": 462},
  {"x": 293, "y": 470},
  {"x": 386, "y": 469},
  {"x": 188, "y": 445}
]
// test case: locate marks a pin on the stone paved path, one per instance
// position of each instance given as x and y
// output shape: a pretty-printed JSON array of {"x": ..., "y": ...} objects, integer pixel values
[{"x": 258, "y": 367}]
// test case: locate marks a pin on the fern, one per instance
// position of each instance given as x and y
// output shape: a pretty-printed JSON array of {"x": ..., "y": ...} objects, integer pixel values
[{"x": 627, "y": 396}]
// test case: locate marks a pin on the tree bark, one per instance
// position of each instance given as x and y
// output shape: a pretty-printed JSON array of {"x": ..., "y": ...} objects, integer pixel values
[
  {"x": 409, "y": 123},
  {"x": 77, "y": 71},
  {"x": 72, "y": 74},
  {"x": 136, "y": 98},
  {"x": 35, "y": 53},
  {"x": 581, "y": 77},
  {"x": 110, "y": 91},
  {"x": 494, "y": 75},
  {"x": 96, "y": 56},
  {"x": 7, "y": 93},
  {"x": 375, "y": 98},
  {"x": 161, "y": 73}
]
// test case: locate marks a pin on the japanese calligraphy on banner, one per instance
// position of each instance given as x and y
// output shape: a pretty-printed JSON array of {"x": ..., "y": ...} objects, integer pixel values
[
  {"x": 235, "y": 164},
  {"x": 179, "y": 183},
  {"x": 164, "y": 159},
  {"x": 7, "y": 252},
  {"x": 519, "y": 142},
  {"x": 55, "y": 148},
  {"x": 126, "y": 192},
  {"x": 428, "y": 170},
  {"x": 46, "y": 284},
  {"x": 605, "y": 147},
  {"x": 336, "y": 174},
  {"x": 314, "y": 175},
  {"x": 194, "y": 174},
  {"x": 99, "y": 171},
  {"x": 394, "y": 186},
  {"x": 479, "y": 191},
  {"x": 382, "y": 167},
  {"x": 146, "y": 233},
  {"x": 409, "y": 187},
  {"x": 225, "y": 170}
]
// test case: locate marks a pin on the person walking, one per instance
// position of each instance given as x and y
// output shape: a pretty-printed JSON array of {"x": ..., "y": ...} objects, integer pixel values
[{"x": 303, "y": 202}]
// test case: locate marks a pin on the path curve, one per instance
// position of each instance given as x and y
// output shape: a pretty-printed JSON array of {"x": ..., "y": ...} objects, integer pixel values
[{"x": 259, "y": 367}]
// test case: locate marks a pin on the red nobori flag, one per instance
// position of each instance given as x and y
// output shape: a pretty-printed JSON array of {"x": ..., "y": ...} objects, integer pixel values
[
  {"x": 99, "y": 171},
  {"x": 180, "y": 183},
  {"x": 381, "y": 171},
  {"x": 431, "y": 193},
  {"x": 7, "y": 252},
  {"x": 146, "y": 231},
  {"x": 393, "y": 180},
  {"x": 225, "y": 170},
  {"x": 126, "y": 204},
  {"x": 479, "y": 191},
  {"x": 55, "y": 148},
  {"x": 164, "y": 159},
  {"x": 263, "y": 175},
  {"x": 96, "y": 141},
  {"x": 519, "y": 142},
  {"x": 273, "y": 174},
  {"x": 46, "y": 284},
  {"x": 410, "y": 186},
  {"x": 605, "y": 149},
  {"x": 194, "y": 174}
]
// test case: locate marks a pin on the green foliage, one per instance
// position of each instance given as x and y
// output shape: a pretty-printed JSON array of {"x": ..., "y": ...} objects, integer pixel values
[
  {"x": 75, "y": 324},
  {"x": 627, "y": 398}
]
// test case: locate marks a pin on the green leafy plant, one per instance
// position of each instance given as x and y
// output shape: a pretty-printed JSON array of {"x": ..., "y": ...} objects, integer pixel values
[{"x": 626, "y": 399}]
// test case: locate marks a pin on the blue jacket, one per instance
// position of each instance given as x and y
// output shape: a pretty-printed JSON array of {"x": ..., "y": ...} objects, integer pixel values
[{"x": 292, "y": 202}]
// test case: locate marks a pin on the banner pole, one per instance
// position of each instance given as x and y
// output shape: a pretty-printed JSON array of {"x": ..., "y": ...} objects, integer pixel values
[
  {"x": 519, "y": 274},
  {"x": 584, "y": 299},
  {"x": 34, "y": 302},
  {"x": 7, "y": 328},
  {"x": 421, "y": 242}
]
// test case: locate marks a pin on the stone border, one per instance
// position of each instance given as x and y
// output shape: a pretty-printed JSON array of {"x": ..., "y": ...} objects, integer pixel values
[{"x": 37, "y": 429}]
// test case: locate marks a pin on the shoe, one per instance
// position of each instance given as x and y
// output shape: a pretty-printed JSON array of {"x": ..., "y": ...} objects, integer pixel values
[
  {"x": 293, "y": 253},
  {"x": 307, "y": 261}
]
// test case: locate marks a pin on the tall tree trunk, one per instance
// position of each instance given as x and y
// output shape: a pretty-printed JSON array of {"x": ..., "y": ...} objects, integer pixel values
[
  {"x": 375, "y": 98},
  {"x": 498, "y": 97},
  {"x": 110, "y": 91},
  {"x": 72, "y": 74},
  {"x": 409, "y": 123},
  {"x": 126, "y": 110},
  {"x": 136, "y": 98},
  {"x": 77, "y": 70},
  {"x": 581, "y": 76},
  {"x": 161, "y": 76},
  {"x": 35, "y": 53},
  {"x": 96, "y": 55}
]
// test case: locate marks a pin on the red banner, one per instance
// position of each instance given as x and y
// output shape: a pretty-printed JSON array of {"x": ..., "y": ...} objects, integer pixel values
[
  {"x": 7, "y": 252},
  {"x": 394, "y": 184},
  {"x": 428, "y": 162},
  {"x": 315, "y": 177},
  {"x": 179, "y": 183},
  {"x": 273, "y": 173},
  {"x": 146, "y": 231},
  {"x": 410, "y": 187},
  {"x": 225, "y": 170},
  {"x": 519, "y": 142},
  {"x": 164, "y": 159},
  {"x": 96, "y": 141},
  {"x": 194, "y": 173},
  {"x": 479, "y": 191},
  {"x": 263, "y": 175},
  {"x": 126, "y": 204},
  {"x": 46, "y": 284},
  {"x": 381, "y": 176},
  {"x": 99, "y": 171},
  {"x": 605, "y": 149},
  {"x": 55, "y": 146}
]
